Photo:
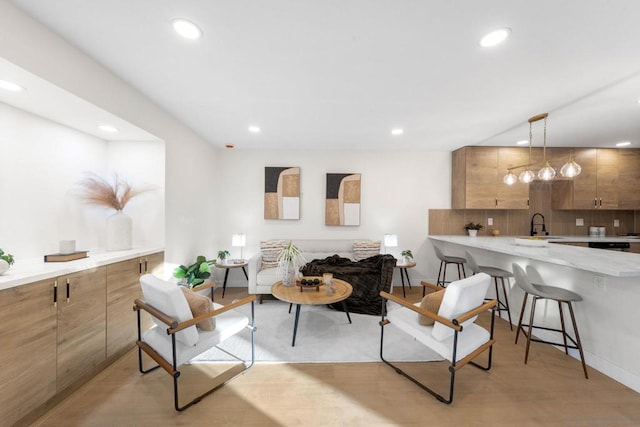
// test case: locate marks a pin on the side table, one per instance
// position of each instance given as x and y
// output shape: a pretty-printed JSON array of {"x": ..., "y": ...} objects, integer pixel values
[
  {"x": 403, "y": 273},
  {"x": 228, "y": 267}
]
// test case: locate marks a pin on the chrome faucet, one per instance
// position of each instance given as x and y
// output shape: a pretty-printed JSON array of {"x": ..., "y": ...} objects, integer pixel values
[{"x": 533, "y": 230}]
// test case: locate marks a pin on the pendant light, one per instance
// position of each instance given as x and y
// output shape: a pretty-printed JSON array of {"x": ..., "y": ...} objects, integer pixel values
[
  {"x": 570, "y": 169},
  {"x": 527, "y": 175},
  {"x": 547, "y": 173}
]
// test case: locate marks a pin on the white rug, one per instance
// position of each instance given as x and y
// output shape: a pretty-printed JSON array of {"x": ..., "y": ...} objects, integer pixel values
[{"x": 324, "y": 335}]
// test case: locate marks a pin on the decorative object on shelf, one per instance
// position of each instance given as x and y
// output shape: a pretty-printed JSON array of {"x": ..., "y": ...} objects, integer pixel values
[
  {"x": 407, "y": 256},
  {"x": 570, "y": 169},
  {"x": 95, "y": 190},
  {"x": 390, "y": 241},
  {"x": 195, "y": 274},
  {"x": 342, "y": 205},
  {"x": 6, "y": 260},
  {"x": 281, "y": 192},
  {"x": 290, "y": 260},
  {"x": 330, "y": 287},
  {"x": 309, "y": 283},
  {"x": 239, "y": 239},
  {"x": 222, "y": 256},
  {"x": 473, "y": 228}
]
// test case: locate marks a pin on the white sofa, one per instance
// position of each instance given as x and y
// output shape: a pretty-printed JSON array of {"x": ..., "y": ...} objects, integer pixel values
[{"x": 261, "y": 280}]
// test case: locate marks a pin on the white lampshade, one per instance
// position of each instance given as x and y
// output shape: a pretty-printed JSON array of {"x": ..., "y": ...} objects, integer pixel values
[
  {"x": 390, "y": 240},
  {"x": 239, "y": 239}
]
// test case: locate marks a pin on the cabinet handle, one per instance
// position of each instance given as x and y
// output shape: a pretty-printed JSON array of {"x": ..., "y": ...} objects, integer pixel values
[
  {"x": 595, "y": 203},
  {"x": 55, "y": 293},
  {"x": 67, "y": 290},
  {"x": 600, "y": 202},
  {"x": 146, "y": 266},
  {"x": 496, "y": 202},
  {"x": 139, "y": 266}
]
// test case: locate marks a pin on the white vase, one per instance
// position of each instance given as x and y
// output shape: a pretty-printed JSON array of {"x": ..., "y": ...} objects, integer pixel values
[
  {"x": 473, "y": 233},
  {"x": 289, "y": 277},
  {"x": 4, "y": 266},
  {"x": 118, "y": 232}
]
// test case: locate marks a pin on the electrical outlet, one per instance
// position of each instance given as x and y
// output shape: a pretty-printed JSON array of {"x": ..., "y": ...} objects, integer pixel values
[
  {"x": 616, "y": 223},
  {"x": 579, "y": 222},
  {"x": 490, "y": 221}
]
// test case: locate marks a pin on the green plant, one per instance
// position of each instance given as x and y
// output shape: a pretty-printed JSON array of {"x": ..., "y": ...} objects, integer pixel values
[
  {"x": 407, "y": 254},
  {"x": 473, "y": 226},
  {"x": 196, "y": 273},
  {"x": 223, "y": 254},
  {"x": 7, "y": 257},
  {"x": 290, "y": 259}
]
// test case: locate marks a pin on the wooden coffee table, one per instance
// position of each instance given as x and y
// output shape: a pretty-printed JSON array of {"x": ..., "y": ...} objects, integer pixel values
[{"x": 311, "y": 296}]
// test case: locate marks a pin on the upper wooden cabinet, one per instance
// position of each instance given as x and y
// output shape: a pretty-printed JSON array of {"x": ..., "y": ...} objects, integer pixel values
[
  {"x": 476, "y": 178},
  {"x": 607, "y": 181}
]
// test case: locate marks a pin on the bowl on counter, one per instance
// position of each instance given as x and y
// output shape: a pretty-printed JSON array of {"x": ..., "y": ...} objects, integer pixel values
[{"x": 536, "y": 242}]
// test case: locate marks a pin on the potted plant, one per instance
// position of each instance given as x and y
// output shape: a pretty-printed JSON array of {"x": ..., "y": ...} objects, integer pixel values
[
  {"x": 222, "y": 255},
  {"x": 473, "y": 228},
  {"x": 407, "y": 256},
  {"x": 290, "y": 260},
  {"x": 195, "y": 274},
  {"x": 6, "y": 260}
]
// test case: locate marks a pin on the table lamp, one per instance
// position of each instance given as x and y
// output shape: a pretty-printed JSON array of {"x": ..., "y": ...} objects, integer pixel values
[{"x": 239, "y": 239}]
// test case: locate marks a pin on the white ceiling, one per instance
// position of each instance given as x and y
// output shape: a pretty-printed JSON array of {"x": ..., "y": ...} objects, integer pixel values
[{"x": 340, "y": 74}]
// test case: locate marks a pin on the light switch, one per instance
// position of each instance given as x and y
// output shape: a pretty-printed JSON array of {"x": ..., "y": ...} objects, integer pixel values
[
  {"x": 579, "y": 222},
  {"x": 490, "y": 221},
  {"x": 616, "y": 223}
]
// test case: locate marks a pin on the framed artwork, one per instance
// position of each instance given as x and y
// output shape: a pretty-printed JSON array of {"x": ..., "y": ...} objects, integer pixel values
[
  {"x": 342, "y": 206},
  {"x": 281, "y": 192}
]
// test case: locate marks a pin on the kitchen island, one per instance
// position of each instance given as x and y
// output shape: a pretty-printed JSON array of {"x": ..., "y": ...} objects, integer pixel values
[{"x": 608, "y": 281}]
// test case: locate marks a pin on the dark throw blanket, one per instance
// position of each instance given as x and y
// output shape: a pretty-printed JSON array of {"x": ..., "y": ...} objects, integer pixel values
[{"x": 367, "y": 277}]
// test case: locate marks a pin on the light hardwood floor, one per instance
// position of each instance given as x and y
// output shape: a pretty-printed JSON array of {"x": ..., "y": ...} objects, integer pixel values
[{"x": 550, "y": 391}]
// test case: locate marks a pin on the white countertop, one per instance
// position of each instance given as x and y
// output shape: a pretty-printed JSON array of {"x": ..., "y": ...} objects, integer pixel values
[
  {"x": 604, "y": 262},
  {"x": 34, "y": 269}
]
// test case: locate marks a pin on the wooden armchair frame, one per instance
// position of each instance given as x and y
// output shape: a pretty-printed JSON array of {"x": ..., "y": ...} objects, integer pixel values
[
  {"x": 455, "y": 324},
  {"x": 173, "y": 326}
]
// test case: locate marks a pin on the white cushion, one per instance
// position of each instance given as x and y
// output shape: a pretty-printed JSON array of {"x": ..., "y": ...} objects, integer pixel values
[
  {"x": 228, "y": 324},
  {"x": 268, "y": 277},
  {"x": 459, "y": 297},
  {"x": 471, "y": 337},
  {"x": 169, "y": 299}
]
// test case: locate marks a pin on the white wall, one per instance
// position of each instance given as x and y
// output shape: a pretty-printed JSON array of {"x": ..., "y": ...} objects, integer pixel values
[
  {"x": 40, "y": 164},
  {"x": 398, "y": 189}
]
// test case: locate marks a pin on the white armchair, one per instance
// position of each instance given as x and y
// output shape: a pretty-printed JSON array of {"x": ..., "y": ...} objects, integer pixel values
[
  {"x": 174, "y": 339},
  {"x": 454, "y": 334}
]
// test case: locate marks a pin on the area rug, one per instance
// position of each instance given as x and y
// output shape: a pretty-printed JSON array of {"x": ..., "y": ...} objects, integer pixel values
[{"x": 324, "y": 336}]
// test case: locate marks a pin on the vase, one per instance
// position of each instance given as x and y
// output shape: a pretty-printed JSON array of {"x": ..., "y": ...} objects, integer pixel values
[
  {"x": 473, "y": 233},
  {"x": 118, "y": 232},
  {"x": 4, "y": 266},
  {"x": 289, "y": 276}
]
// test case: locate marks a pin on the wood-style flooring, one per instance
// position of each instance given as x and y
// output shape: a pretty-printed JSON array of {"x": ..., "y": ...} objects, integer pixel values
[{"x": 550, "y": 390}]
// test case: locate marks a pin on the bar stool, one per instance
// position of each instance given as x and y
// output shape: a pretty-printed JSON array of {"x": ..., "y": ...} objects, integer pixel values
[
  {"x": 496, "y": 273},
  {"x": 444, "y": 261},
  {"x": 538, "y": 290}
]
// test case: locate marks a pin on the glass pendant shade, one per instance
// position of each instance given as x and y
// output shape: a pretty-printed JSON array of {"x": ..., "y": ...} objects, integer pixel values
[
  {"x": 510, "y": 178},
  {"x": 526, "y": 176},
  {"x": 570, "y": 169},
  {"x": 547, "y": 173}
]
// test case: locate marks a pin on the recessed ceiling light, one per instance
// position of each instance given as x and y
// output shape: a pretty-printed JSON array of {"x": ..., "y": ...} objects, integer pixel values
[
  {"x": 523, "y": 142},
  {"x": 187, "y": 29},
  {"x": 495, "y": 37},
  {"x": 108, "y": 128},
  {"x": 254, "y": 129},
  {"x": 623, "y": 144},
  {"x": 10, "y": 86},
  {"x": 397, "y": 131}
]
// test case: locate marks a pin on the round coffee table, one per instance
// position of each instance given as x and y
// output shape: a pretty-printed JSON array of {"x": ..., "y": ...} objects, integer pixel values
[{"x": 311, "y": 296}]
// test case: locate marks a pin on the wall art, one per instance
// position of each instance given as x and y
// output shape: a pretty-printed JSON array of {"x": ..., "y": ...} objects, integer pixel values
[
  {"x": 281, "y": 192},
  {"x": 342, "y": 205}
]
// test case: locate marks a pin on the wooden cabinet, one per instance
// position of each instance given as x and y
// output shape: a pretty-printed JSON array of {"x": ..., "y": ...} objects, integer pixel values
[
  {"x": 476, "y": 179},
  {"x": 606, "y": 181},
  {"x": 27, "y": 349},
  {"x": 123, "y": 287},
  {"x": 81, "y": 325}
]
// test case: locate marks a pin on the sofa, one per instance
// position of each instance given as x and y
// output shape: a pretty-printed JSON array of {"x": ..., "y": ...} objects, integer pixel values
[{"x": 263, "y": 271}]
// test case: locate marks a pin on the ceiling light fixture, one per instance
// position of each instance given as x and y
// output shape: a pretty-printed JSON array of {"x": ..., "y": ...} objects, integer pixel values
[
  {"x": 108, "y": 128},
  {"x": 10, "y": 86},
  {"x": 495, "y": 37},
  {"x": 397, "y": 131},
  {"x": 623, "y": 144},
  {"x": 254, "y": 129},
  {"x": 230, "y": 146},
  {"x": 187, "y": 29},
  {"x": 547, "y": 173}
]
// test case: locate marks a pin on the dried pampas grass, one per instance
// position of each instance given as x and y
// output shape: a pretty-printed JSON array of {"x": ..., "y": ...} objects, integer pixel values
[{"x": 95, "y": 190}]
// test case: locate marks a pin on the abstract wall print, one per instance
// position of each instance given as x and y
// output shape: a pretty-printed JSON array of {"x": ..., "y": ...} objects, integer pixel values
[
  {"x": 343, "y": 199},
  {"x": 281, "y": 192}
]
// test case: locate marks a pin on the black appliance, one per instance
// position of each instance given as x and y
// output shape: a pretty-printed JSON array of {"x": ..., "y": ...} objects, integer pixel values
[{"x": 612, "y": 246}]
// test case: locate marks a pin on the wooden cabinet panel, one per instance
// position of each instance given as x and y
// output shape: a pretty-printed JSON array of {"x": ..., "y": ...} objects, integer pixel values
[
  {"x": 628, "y": 179},
  {"x": 27, "y": 349},
  {"x": 584, "y": 185},
  {"x": 81, "y": 325},
  {"x": 481, "y": 177},
  {"x": 123, "y": 287},
  {"x": 607, "y": 182},
  {"x": 514, "y": 196}
]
